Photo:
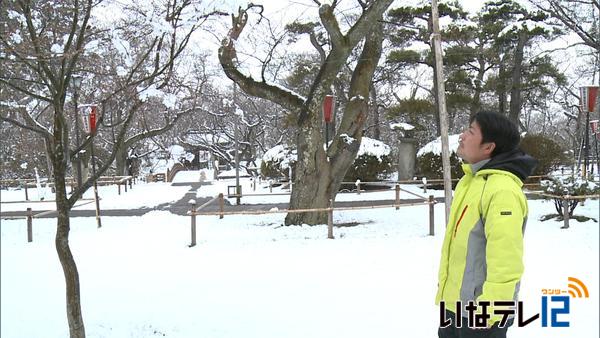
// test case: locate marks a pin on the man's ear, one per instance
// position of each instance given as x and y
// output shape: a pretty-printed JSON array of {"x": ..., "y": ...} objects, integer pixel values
[{"x": 489, "y": 147}]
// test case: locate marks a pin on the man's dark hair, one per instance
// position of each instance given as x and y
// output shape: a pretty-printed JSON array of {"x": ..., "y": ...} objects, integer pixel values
[{"x": 499, "y": 129}]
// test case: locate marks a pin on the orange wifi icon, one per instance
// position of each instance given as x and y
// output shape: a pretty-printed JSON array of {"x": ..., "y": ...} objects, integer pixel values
[{"x": 577, "y": 289}]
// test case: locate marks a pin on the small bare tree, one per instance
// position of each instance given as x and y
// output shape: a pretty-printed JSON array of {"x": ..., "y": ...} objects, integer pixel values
[{"x": 44, "y": 44}]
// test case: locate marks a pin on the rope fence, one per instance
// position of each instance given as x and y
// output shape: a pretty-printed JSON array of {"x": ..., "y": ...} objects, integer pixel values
[
  {"x": 196, "y": 211},
  {"x": 565, "y": 204},
  {"x": 71, "y": 182},
  {"x": 220, "y": 199}
]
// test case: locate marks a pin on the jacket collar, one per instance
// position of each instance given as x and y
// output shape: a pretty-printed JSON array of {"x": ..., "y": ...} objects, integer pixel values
[
  {"x": 476, "y": 166},
  {"x": 472, "y": 169}
]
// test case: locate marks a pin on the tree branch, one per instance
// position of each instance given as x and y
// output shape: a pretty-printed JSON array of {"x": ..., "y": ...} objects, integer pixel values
[{"x": 227, "y": 57}]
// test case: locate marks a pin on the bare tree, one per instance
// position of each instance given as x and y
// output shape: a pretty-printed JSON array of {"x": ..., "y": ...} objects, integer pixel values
[
  {"x": 580, "y": 17},
  {"x": 44, "y": 45},
  {"x": 319, "y": 171}
]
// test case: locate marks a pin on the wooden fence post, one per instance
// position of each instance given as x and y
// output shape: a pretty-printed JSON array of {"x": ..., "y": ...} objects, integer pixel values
[
  {"x": 125, "y": 186},
  {"x": 330, "y": 220},
  {"x": 193, "y": 214},
  {"x": 424, "y": 180},
  {"x": 357, "y": 187},
  {"x": 26, "y": 193},
  {"x": 130, "y": 183},
  {"x": 431, "y": 215},
  {"x": 566, "y": 212},
  {"x": 119, "y": 187},
  {"x": 397, "y": 196},
  {"x": 29, "y": 225},
  {"x": 221, "y": 205}
]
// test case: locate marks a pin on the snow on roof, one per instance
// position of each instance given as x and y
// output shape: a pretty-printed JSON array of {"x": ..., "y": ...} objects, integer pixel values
[
  {"x": 435, "y": 146},
  {"x": 174, "y": 154}
]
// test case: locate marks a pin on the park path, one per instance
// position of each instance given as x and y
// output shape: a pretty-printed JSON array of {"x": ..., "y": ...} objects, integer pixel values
[{"x": 182, "y": 206}]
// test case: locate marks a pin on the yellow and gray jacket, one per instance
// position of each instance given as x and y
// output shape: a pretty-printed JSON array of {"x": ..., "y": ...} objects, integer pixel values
[{"x": 482, "y": 254}]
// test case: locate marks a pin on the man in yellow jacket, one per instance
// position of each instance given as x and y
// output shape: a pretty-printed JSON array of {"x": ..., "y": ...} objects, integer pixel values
[{"x": 482, "y": 254}]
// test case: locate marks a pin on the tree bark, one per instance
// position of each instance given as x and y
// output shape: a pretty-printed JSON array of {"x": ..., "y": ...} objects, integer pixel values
[
  {"x": 375, "y": 111},
  {"x": 476, "y": 102},
  {"x": 501, "y": 88},
  {"x": 515, "y": 91},
  {"x": 121, "y": 161},
  {"x": 320, "y": 174},
  {"x": 63, "y": 206}
]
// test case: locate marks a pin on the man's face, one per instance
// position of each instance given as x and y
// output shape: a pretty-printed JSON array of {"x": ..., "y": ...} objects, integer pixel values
[{"x": 470, "y": 148}]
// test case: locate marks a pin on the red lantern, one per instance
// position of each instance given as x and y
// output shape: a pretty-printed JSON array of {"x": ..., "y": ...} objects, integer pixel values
[
  {"x": 587, "y": 99},
  {"x": 93, "y": 119},
  {"x": 328, "y": 108}
]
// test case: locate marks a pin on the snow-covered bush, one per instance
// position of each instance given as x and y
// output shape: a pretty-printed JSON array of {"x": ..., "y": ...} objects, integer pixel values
[
  {"x": 429, "y": 159},
  {"x": 372, "y": 162},
  {"x": 572, "y": 186},
  {"x": 430, "y": 165},
  {"x": 276, "y": 162}
]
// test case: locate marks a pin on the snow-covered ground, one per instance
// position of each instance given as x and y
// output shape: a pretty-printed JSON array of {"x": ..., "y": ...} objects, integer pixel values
[
  {"x": 148, "y": 195},
  {"x": 251, "y": 277}
]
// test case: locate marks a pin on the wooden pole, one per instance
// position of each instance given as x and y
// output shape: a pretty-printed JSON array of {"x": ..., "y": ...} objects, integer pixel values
[
  {"x": 119, "y": 188},
  {"x": 431, "y": 215},
  {"x": 330, "y": 220},
  {"x": 221, "y": 205},
  {"x": 29, "y": 225},
  {"x": 566, "y": 212},
  {"x": 96, "y": 198},
  {"x": 238, "y": 189},
  {"x": 193, "y": 215},
  {"x": 26, "y": 193},
  {"x": 397, "y": 196},
  {"x": 441, "y": 94}
]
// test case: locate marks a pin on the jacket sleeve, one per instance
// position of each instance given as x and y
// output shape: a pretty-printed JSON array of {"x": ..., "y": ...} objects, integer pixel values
[{"x": 504, "y": 222}]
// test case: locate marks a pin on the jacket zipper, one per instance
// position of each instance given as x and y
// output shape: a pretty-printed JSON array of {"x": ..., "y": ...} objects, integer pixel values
[{"x": 460, "y": 219}]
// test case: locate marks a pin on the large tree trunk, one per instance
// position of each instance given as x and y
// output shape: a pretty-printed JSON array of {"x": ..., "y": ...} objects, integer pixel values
[
  {"x": 318, "y": 177},
  {"x": 501, "y": 88},
  {"x": 121, "y": 161},
  {"x": 515, "y": 91},
  {"x": 320, "y": 174},
  {"x": 375, "y": 110},
  {"x": 312, "y": 188}
]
